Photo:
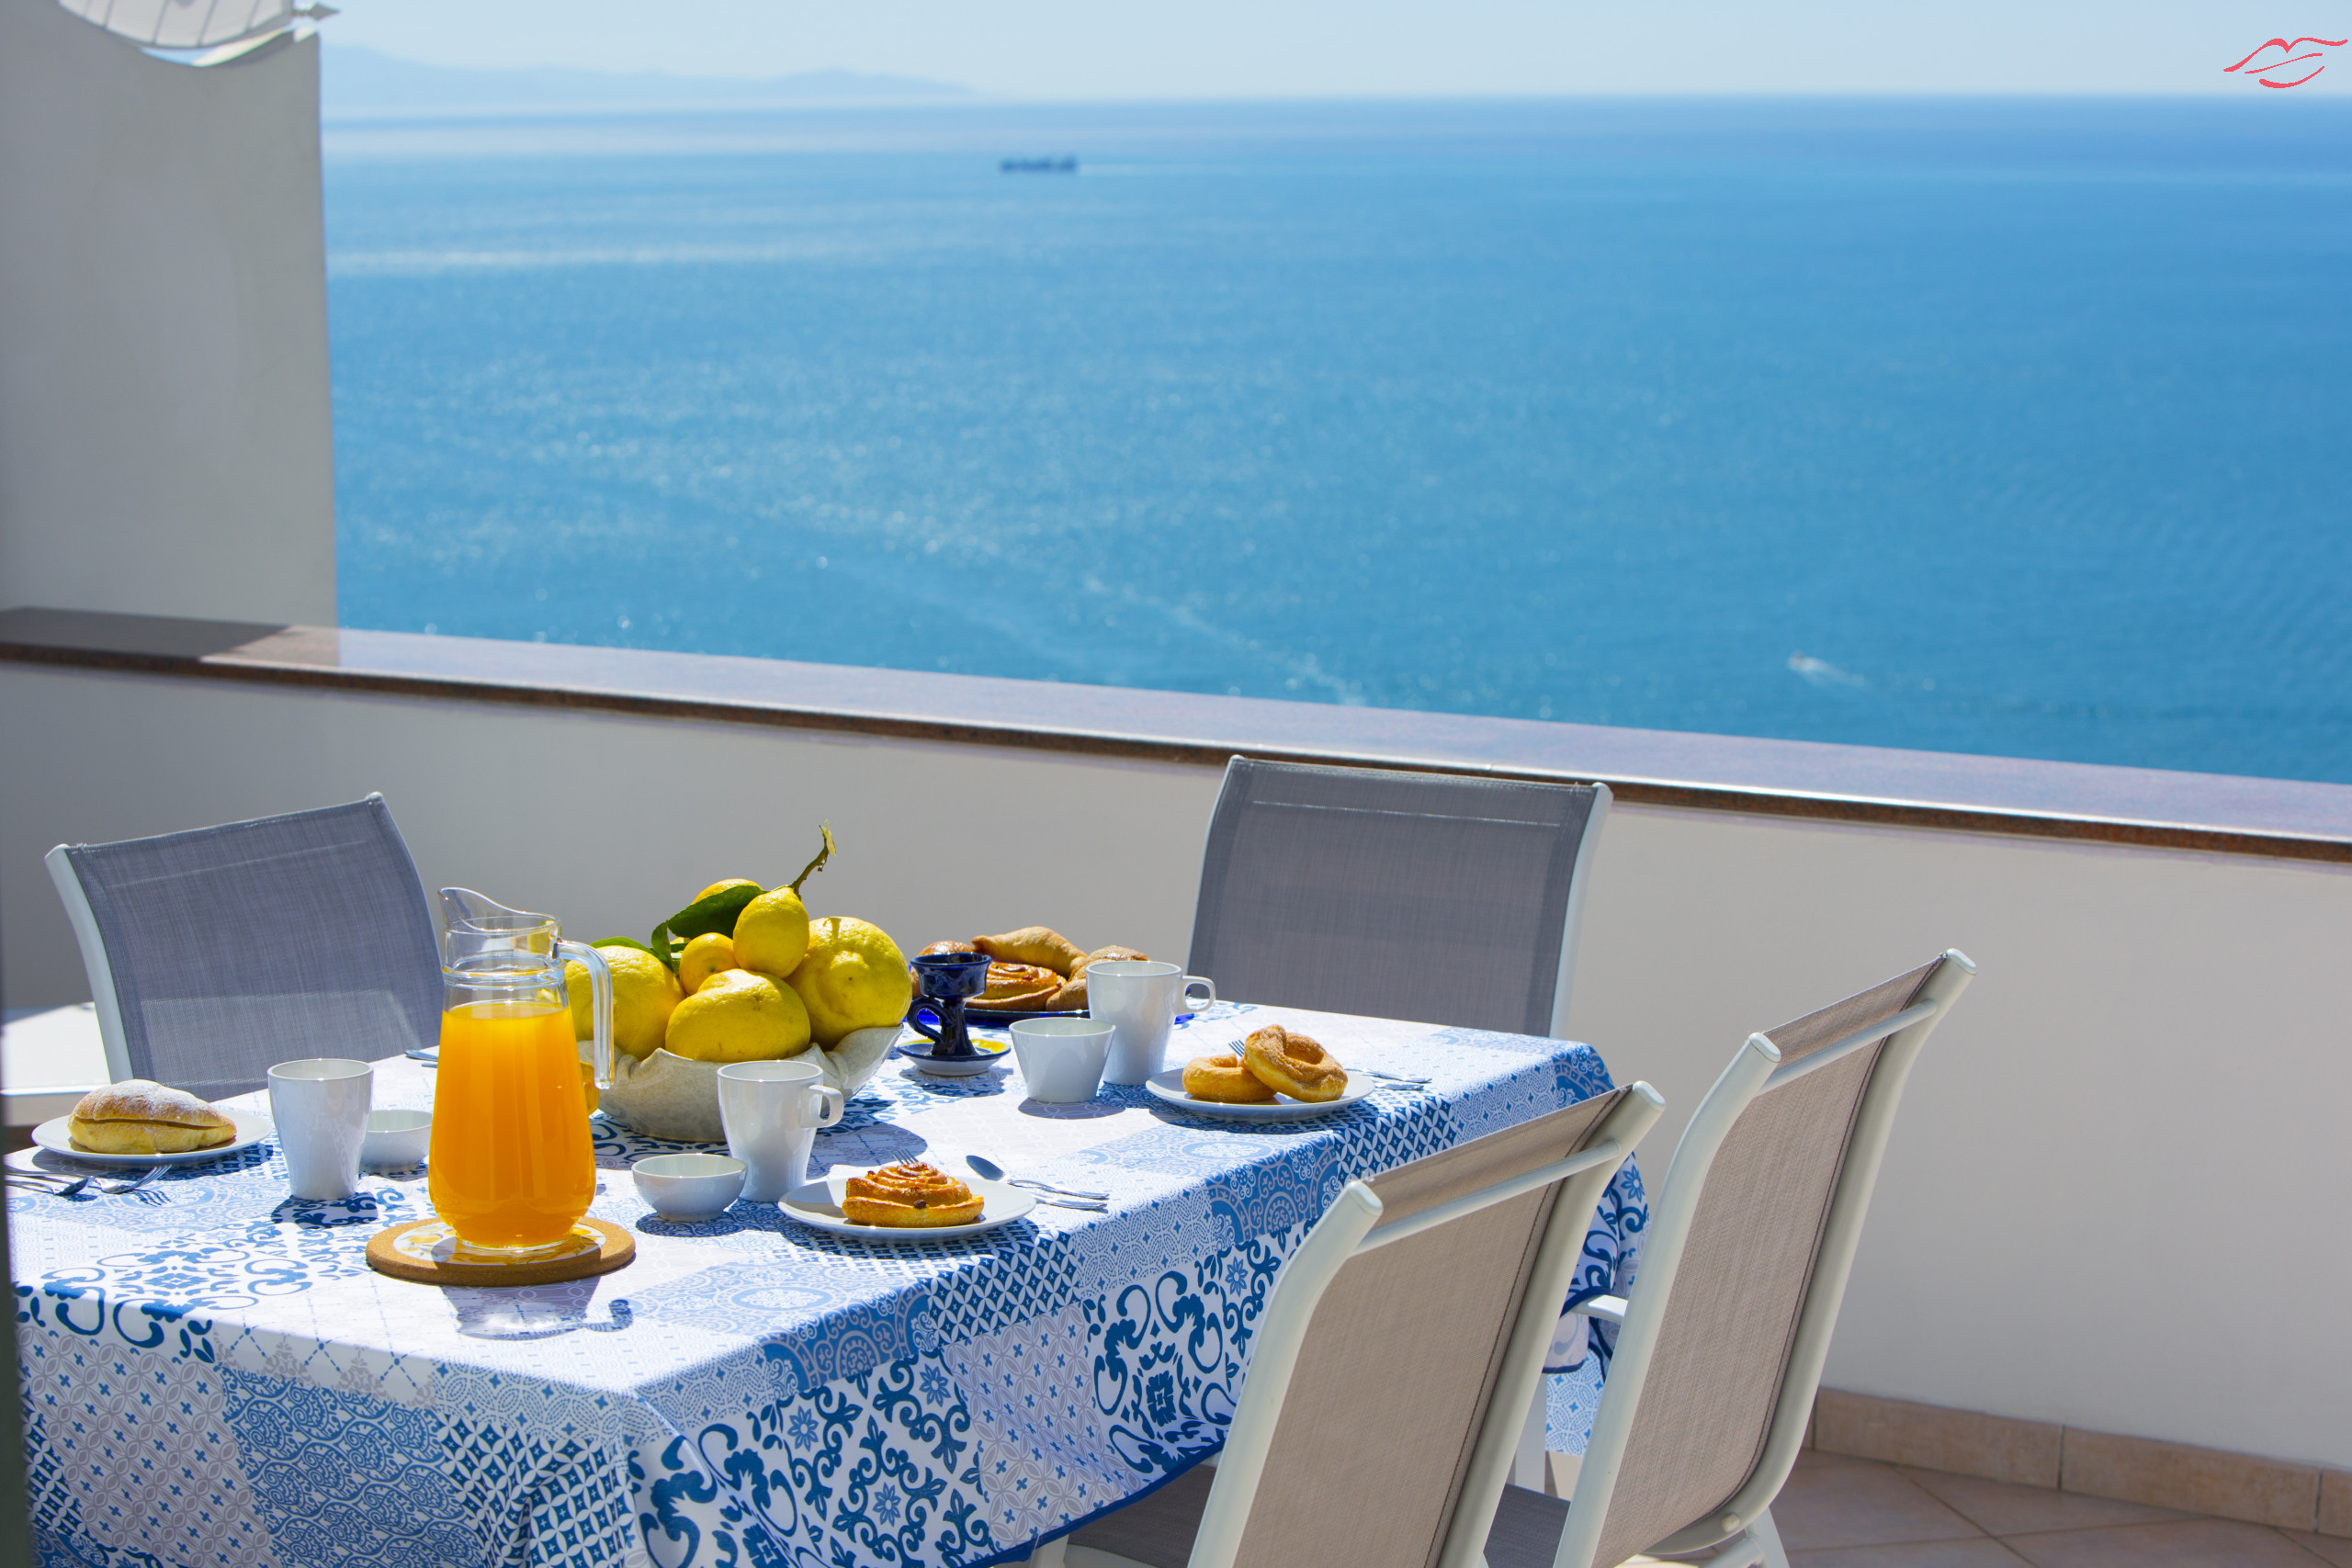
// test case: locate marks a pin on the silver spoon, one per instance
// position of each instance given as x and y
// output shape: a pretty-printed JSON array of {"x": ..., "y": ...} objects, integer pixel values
[
  {"x": 989, "y": 1171},
  {"x": 42, "y": 1179},
  {"x": 1392, "y": 1078}
]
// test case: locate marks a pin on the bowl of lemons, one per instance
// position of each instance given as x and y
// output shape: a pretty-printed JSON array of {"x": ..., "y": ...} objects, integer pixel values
[{"x": 742, "y": 973}]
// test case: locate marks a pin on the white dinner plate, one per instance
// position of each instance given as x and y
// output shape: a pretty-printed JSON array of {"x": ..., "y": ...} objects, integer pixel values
[
  {"x": 252, "y": 1128},
  {"x": 817, "y": 1205},
  {"x": 1169, "y": 1087}
]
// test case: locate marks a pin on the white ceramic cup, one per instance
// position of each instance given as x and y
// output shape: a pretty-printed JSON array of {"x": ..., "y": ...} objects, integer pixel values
[
  {"x": 1140, "y": 997},
  {"x": 772, "y": 1111},
  {"x": 320, "y": 1107},
  {"x": 1061, "y": 1058}
]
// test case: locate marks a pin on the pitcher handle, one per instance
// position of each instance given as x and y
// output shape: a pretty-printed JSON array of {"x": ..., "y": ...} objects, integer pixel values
[{"x": 600, "y": 1008}]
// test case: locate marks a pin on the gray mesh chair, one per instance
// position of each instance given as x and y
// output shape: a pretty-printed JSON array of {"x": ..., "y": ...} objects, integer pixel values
[
  {"x": 1419, "y": 896},
  {"x": 1721, "y": 1343},
  {"x": 214, "y": 953},
  {"x": 1395, "y": 1353}
]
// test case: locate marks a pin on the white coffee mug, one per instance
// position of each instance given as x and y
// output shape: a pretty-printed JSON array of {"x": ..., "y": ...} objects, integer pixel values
[
  {"x": 1061, "y": 1058},
  {"x": 320, "y": 1107},
  {"x": 772, "y": 1111},
  {"x": 1140, "y": 999}
]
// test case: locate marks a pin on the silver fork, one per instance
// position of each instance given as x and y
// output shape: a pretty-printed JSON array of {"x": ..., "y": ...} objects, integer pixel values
[{"x": 126, "y": 1187}]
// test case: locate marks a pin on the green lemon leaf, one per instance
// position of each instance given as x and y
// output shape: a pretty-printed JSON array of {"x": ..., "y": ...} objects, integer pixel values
[{"x": 716, "y": 913}]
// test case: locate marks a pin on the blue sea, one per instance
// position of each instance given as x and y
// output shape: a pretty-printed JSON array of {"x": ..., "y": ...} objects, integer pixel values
[{"x": 2013, "y": 426}]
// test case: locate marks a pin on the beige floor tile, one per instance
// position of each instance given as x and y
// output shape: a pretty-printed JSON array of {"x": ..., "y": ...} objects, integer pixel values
[
  {"x": 1862, "y": 1505},
  {"x": 1977, "y": 1553},
  {"x": 2194, "y": 1543},
  {"x": 1815, "y": 1459},
  {"x": 2326, "y": 1548},
  {"x": 1999, "y": 1508}
]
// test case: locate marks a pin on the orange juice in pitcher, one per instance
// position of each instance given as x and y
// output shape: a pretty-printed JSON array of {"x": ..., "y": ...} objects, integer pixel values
[
  {"x": 511, "y": 1162},
  {"x": 512, "y": 1171}
]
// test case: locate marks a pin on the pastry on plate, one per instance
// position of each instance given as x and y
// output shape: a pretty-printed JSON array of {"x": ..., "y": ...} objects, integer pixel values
[
  {"x": 1289, "y": 1062},
  {"x": 937, "y": 948},
  {"x": 1040, "y": 945},
  {"x": 909, "y": 1195},
  {"x": 1018, "y": 988},
  {"x": 1227, "y": 1080},
  {"x": 140, "y": 1117}
]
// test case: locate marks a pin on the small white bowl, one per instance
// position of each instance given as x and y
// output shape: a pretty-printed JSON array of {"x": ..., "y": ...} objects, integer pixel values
[
  {"x": 396, "y": 1140},
  {"x": 1061, "y": 1058},
  {"x": 688, "y": 1187}
]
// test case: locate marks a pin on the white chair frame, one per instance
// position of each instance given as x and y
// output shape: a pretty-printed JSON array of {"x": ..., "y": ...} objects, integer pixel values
[
  {"x": 1744, "y": 1529},
  {"x": 94, "y": 961},
  {"x": 1343, "y": 1232}
]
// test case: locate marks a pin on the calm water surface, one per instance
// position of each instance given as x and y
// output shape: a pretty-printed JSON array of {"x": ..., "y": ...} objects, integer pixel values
[{"x": 2011, "y": 427}]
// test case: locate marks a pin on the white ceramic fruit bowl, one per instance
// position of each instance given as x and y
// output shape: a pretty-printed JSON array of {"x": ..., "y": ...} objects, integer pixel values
[{"x": 669, "y": 1096}]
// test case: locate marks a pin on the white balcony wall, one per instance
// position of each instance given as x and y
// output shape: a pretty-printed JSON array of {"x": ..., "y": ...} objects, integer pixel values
[
  {"x": 166, "y": 446},
  {"x": 2114, "y": 1199}
]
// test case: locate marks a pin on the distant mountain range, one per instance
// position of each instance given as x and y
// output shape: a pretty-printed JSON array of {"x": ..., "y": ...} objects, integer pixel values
[{"x": 357, "y": 81}]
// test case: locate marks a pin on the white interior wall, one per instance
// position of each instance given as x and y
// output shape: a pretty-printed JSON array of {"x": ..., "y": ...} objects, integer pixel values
[
  {"x": 2136, "y": 1111},
  {"x": 166, "y": 443}
]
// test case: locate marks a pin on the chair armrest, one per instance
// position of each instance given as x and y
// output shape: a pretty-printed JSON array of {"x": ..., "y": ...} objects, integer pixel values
[{"x": 1609, "y": 1309}]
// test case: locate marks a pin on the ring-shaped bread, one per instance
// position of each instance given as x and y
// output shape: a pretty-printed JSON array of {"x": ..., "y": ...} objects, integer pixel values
[
  {"x": 1294, "y": 1064},
  {"x": 1225, "y": 1080}
]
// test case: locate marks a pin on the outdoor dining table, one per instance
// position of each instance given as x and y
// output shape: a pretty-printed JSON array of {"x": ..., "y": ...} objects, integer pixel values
[{"x": 214, "y": 1375}]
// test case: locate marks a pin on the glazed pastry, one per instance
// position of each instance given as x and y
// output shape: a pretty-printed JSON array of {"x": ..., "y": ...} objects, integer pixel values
[
  {"x": 138, "y": 1117},
  {"x": 1294, "y": 1064},
  {"x": 1046, "y": 948},
  {"x": 909, "y": 1195},
  {"x": 1224, "y": 1079},
  {"x": 938, "y": 947},
  {"x": 1072, "y": 997},
  {"x": 1018, "y": 987}
]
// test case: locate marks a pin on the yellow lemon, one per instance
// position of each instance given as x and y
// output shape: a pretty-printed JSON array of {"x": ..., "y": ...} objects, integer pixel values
[
  {"x": 643, "y": 993},
  {"x": 721, "y": 887},
  {"x": 854, "y": 978},
  {"x": 772, "y": 934},
  {"x": 738, "y": 1016},
  {"x": 705, "y": 956}
]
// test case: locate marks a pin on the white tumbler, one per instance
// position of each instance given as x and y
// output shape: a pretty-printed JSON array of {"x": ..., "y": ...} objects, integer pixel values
[
  {"x": 1140, "y": 999},
  {"x": 772, "y": 1111},
  {"x": 320, "y": 1107}
]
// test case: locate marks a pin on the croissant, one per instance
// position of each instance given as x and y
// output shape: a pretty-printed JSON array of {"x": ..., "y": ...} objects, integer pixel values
[
  {"x": 1041, "y": 945},
  {"x": 1225, "y": 1079},
  {"x": 1018, "y": 985},
  {"x": 940, "y": 947},
  {"x": 909, "y": 1195},
  {"x": 1072, "y": 997},
  {"x": 138, "y": 1116},
  {"x": 1294, "y": 1064}
]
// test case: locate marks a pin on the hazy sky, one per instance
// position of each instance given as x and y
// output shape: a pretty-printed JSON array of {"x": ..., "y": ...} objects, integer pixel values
[{"x": 1122, "y": 49}]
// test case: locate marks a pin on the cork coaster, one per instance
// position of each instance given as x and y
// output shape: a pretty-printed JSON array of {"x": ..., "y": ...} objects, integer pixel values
[{"x": 429, "y": 1252}]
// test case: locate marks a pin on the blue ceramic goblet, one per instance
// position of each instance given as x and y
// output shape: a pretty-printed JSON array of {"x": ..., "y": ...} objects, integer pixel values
[{"x": 943, "y": 982}]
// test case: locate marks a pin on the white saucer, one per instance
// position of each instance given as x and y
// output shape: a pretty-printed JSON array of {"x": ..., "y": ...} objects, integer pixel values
[
  {"x": 817, "y": 1205},
  {"x": 252, "y": 1128},
  {"x": 1169, "y": 1087}
]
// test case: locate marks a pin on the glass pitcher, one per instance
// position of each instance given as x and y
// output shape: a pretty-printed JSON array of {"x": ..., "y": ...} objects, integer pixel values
[{"x": 512, "y": 1168}]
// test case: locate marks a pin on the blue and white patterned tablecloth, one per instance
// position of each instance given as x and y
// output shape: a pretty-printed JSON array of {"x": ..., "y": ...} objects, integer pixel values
[{"x": 214, "y": 1376}]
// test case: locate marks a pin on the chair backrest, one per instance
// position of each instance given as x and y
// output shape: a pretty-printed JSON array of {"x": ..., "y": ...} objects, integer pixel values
[
  {"x": 215, "y": 953},
  {"x": 1400, "y": 894},
  {"x": 1402, "y": 1344},
  {"x": 1743, "y": 1268}
]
